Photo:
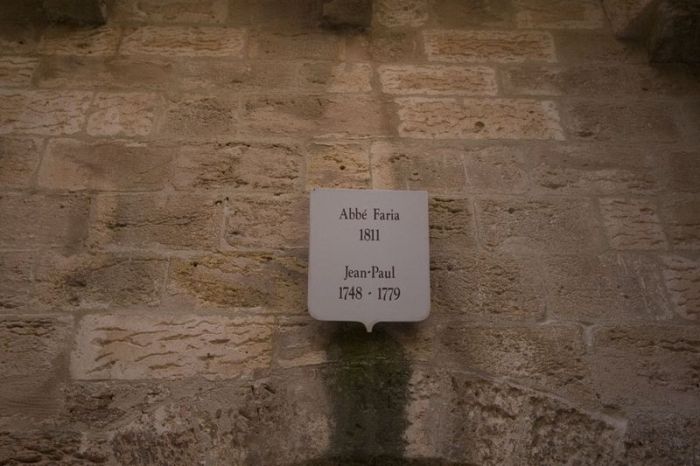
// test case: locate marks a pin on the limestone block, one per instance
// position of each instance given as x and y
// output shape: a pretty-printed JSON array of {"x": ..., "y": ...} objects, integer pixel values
[
  {"x": 171, "y": 11},
  {"x": 44, "y": 220},
  {"x": 538, "y": 224},
  {"x": 496, "y": 169},
  {"x": 605, "y": 288},
  {"x": 63, "y": 40},
  {"x": 581, "y": 47},
  {"x": 16, "y": 288},
  {"x": 630, "y": 18},
  {"x": 239, "y": 166},
  {"x": 271, "y": 282},
  {"x": 649, "y": 366},
  {"x": 124, "y": 347},
  {"x": 249, "y": 217},
  {"x": 662, "y": 439},
  {"x": 438, "y": 80},
  {"x": 486, "y": 287},
  {"x": 19, "y": 159},
  {"x": 49, "y": 447},
  {"x": 471, "y": 118},
  {"x": 681, "y": 172},
  {"x": 401, "y": 13},
  {"x": 610, "y": 121},
  {"x": 562, "y": 14},
  {"x": 104, "y": 165},
  {"x": 489, "y": 46},
  {"x": 17, "y": 71},
  {"x": 682, "y": 276},
  {"x": 451, "y": 225},
  {"x": 333, "y": 165},
  {"x": 394, "y": 46},
  {"x": 632, "y": 224},
  {"x": 302, "y": 45},
  {"x": 681, "y": 217},
  {"x": 125, "y": 114},
  {"x": 43, "y": 112},
  {"x": 200, "y": 116},
  {"x": 347, "y": 13},
  {"x": 157, "y": 221},
  {"x": 342, "y": 78},
  {"x": 77, "y": 11},
  {"x": 184, "y": 42},
  {"x": 417, "y": 167}
]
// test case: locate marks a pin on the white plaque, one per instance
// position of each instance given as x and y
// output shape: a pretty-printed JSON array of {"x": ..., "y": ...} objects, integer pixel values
[{"x": 369, "y": 256}]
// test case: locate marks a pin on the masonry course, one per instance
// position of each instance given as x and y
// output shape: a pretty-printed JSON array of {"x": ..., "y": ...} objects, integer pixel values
[{"x": 154, "y": 182}]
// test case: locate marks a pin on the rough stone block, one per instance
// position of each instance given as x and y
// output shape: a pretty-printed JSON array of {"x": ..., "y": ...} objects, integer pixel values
[
  {"x": 586, "y": 47},
  {"x": 347, "y": 13},
  {"x": 77, "y": 11},
  {"x": 239, "y": 165},
  {"x": 401, "y": 13},
  {"x": 104, "y": 165},
  {"x": 458, "y": 14},
  {"x": 438, "y": 170},
  {"x": 438, "y": 80},
  {"x": 16, "y": 287},
  {"x": 43, "y": 112},
  {"x": 632, "y": 223},
  {"x": 680, "y": 215},
  {"x": 394, "y": 46},
  {"x": 561, "y": 14},
  {"x": 496, "y": 169},
  {"x": 341, "y": 78},
  {"x": 302, "y": 45},
  {"x": 611, "y": 121},
  {"x": 606, "y": 288},
  {"x": 540, "y": 224},
  {"x": 446, "y": 118},
  {"x": 340, "y": 116},
  {"x": 270, "y": 282},
  {"x": 17, "y": 71},
  {"x": 650, "y": 366},
  {"x": 680, "y": 171},
  {"x": 248, "y": 220},
  {"x": 548, "y": 357},
  {"x": 49, "y": 447},
  {"x": 451, "y": 225},
  {"x": 489, "y": 46},
  {"x": 486, "y": 287},
  {"x": 200, "y": 116},
  {"x": 100, "y": 42},
  {"x": 682, "y": 275},
  {"x": 172, "y": 221},
  {"x": 171, "y": 11},
  {"x": 630, "y": 18},
  {"x": 99, "y": 281},
  {"x": 19, "y": 159},
  {"x": 44, "y": 220},
  {"x": 18, "y": 39},
  {"x": 184, "y": 42},
  {"x": 127, "y": 347},
  {"x": 125, "y": 114},
  {"x": 662, "y": 439},
  {"x": 338, "y": 166}
]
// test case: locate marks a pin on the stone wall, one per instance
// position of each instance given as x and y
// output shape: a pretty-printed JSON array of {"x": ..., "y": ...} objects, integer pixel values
[{"x": 155, "y": 176}]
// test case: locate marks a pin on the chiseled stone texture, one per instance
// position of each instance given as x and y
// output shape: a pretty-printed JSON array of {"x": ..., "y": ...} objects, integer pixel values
[
  {"x": 49, "y": 448},
  {"x": 127, "y": 347},
  {"x": 401, "y": 13},
  {"x": 19, "y": 159},
  {"x": 470, "y": 118},
  {"x": 681, "y": 217},
  {"x": 338, "y": 166},
  {"x": 559, "y": 14},
  {"x": 17, "y": 71},
  {"x": 489, "y": 46},
  {"x": 81, "y": 41},
  {"x": 131, "y": 114},
  {"x": 170, "y": 11},
  {"x": 438, "y": 80},
  {"x": 632, "y": 224},
  {"x": 43, "y": 112},
  {"x": 682, "y": 275},
  {"x": 184, "y": 42}
]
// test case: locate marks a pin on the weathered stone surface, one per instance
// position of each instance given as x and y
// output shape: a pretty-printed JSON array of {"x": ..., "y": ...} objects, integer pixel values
[
  {"x": 489, "y": 46},
  {"x": 540, "y": 224},
  {"x": 157, "y": 221},
  {"x": 132, "y": 114},
  {"x": 681, "y": 218},
  {"x": 401, "y": 13},
  {"x": 239, "y": 165},
  {"x": 104, "y": 165},
  {"x": 342, "y": 78},
  {"x": 16, "y": 287},
  {"x": 126, "y": 347},
  {"x": 341, "y": 116},
  {"x": 303, "y": 45},
  {"x": 338, "y": 166},
  {"x": 451, "y": 224},
  {"x": 606, "y": 121},
  {"x": 43, "y": 220},
  {"x": 550, "y": 357},
  {"x": 662, "y": 439},
  {"x": 248, "y": 219},
  {"x": 606, "y": 288},
  {"x": 629, "y": 18},
  {"x": 680, "y": 171},
  {"x": 486, "y": 287},
  {"x": 99, "y": 281},
  {"x": 496, "y": 169},
  {"x": 411, "y": 166},
  {"x": 347, "y": 13},
  {"x": 632, "y": 223},
  {"x": 200, "y": 116},
  {"x": 270, "y": 282},
  {"x": 48, "y": 448},
  {"x": 43, "y": 112},
  {"x": 394, "y": 46},
  {"x": 438, "y": 80},
  {"x": 184, "y": 42},
  {"x": 102, "y": 41},
  {"x": 483, "y": 13},
  {"x": 171, "y": 11},
  {"x": 659, "y": 365},
  {"x": 17, "y": 71},
  {"x": 19, "y": 159},
  {"x": 587, "y": 47},
  {"x": 673, "y": 35},
  {"x": 447, "y": 118},
  {"x": 77, "y": 11},
  {"x": 682, "y": 275},
  {"x": 561, "y": 14},
  {"x": 18, "y": 39}
]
